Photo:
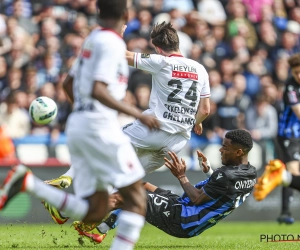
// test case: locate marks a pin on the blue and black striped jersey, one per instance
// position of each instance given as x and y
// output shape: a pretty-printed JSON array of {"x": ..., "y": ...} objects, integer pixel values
[
  {"x": 228, "y": 187},
  {"x": 289, "y": 124}
]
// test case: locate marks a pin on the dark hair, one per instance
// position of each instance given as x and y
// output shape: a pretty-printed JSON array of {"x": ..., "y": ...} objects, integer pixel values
[
  {"x": 165, "y": 37},
  {"x": 241, "y": 137},
  {"x": 111, "y": 9},
  {"x": 11, "y": 97},
  {"x": 294, "y": 60}
]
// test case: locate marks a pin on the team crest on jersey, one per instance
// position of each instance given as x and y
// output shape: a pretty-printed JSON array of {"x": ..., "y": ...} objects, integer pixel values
[
  {"x": 86, "y": 50},
  {"x": 144, "y": 55},
  {"x": 187, "y": 72},
  {"x": 292, "y": 97}
]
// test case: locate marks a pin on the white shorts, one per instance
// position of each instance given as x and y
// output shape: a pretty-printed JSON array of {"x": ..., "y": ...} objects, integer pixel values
[
  {"x": 153, "y": 145},
  {"x": 102, "y": 160}
]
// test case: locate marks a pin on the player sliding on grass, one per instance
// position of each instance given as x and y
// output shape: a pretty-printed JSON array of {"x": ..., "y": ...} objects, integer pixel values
[
  {"x": 201, "y": 206},
  {"x": 179, "y": 100}
]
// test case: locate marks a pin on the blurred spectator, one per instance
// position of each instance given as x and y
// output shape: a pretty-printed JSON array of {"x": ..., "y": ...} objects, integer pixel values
[
  {"x": 255, "y": 9},
  {"x": 49, "y": 72},
  {"x": 243, "y": 101},
  {"x": 184, "y": 5},
  {"x": 228, "y": 114},
  {"x": 3, "y": 74},
  {"x": 227, "y": 70},
  {"x": 142, "y": 94},
  {"x": 209, "y": 57},
  {"x": 14, "y": 82},
  {"x": 222, "y": 47},
  {"x": 15, "y": 119},
  {"x": 212, "y": 11},
  {"x": 238, "y": 24},
  {"x": 24, "y": 21},
  {"x": 261, "y": 119},
  {"x": 217, "y": 90},
  {"x": 145, "y": 20},
  {"x": 137, "y": 77},
  {"x": 31, "y": 83}
]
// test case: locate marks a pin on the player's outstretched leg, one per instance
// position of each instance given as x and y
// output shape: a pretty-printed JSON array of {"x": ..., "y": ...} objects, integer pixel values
[
  {"x": 60, "y": 182},
  {"x": 270, "y": 179},
  {"x": 13, "y": 184}
]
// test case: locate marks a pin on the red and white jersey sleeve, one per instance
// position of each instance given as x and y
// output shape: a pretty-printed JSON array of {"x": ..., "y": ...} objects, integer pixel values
[
  {"x": 149, "y": 62},
  {"x": 178, "y": 84}
]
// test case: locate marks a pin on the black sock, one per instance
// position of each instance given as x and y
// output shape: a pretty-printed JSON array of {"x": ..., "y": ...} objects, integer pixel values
[
  {"x": 287, "y": 196},
  {"x": 111, "y": 220},
  {"x": 295, "y": 182}
]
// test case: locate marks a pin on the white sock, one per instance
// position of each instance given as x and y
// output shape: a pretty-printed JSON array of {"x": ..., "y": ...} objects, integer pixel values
[
  {"x": 128, "y": 232},
  {"x": 70, "y": 172},
  {"x": 72, "y": 206},
  {"x": 286, "y": 178}
]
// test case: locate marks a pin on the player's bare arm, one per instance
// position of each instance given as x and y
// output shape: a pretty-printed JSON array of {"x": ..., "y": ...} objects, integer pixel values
[
  {"x": 130, "y": 57},
  {"x": 202, "y": 113},
  {"x": 296, "y": 110},
  {"x": 101, "y": 93},
  {"x": 68, "y": 88},
  {"x": 178, "y": 168}
]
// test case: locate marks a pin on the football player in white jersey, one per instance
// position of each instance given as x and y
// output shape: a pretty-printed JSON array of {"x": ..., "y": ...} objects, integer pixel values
[{"x": 101, "y": 154}]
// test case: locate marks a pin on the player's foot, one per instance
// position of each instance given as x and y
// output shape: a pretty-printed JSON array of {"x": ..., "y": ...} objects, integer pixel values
[
  {"x": 55, "y": 214},
  {"x": 285, "y": 219},
  {"x": 270, "y": 179},
  {"x": 92, "y": 233},
  {"x": 13, "y": 184},
  {"x": 60, "y": 182}
]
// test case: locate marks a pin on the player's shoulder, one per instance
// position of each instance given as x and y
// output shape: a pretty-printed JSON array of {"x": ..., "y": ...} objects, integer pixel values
[
  {"x": 244, "y": 171},
  {"x": 107, "y": 37}
]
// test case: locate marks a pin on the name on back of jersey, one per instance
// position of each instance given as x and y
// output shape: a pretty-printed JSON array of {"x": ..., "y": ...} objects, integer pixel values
[
  {"x": 174, "y": 112},
  {"x": 187, "y": 72}
]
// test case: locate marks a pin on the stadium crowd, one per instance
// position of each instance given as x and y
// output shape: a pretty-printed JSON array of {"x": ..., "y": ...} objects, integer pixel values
[{"x": 243, "y": 44}]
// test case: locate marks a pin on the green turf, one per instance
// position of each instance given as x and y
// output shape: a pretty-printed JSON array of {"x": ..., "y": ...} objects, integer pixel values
[{"x": 225, "y": 235}]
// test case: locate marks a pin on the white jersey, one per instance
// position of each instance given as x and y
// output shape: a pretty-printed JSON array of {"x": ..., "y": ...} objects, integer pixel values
[
  {"x": 178, "y": 83},
  {"x": 102, "y": 59}
]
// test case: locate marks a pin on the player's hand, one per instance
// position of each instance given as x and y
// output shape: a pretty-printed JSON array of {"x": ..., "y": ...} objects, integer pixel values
[
  {"x": 177, "y": 167},
  {"x": 202, "y": 158},
  {"x": 198, "y": 129},
  {"x": 150, "y": 121}
]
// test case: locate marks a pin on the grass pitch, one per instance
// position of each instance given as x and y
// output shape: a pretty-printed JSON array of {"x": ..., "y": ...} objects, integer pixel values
[{"x": 225, "y": 235}]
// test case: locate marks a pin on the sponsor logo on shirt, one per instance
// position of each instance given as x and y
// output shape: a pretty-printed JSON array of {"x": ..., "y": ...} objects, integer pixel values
[
  {"x": 187, "y": 72},
  {"x": 292, "y": 97},
  {"x": 86, "y": 50},
  {"x": 144, "y": 55},
  {"x": 219, "y": 176}
]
